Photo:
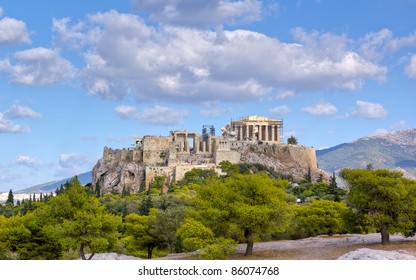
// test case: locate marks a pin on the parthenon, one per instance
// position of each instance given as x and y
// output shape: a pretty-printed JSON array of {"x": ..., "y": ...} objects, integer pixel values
[{"x": 254, "y": 128}]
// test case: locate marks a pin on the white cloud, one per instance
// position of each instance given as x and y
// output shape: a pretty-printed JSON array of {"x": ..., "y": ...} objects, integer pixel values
[
  {"x": 13, "y": 31},
  {"x": 216, "y": 111},
  {"x": 74, "y": 164},
  {"x": 126, "y": 112},
  {"x": 368, "y": 110},
  {"x": 38, "y": 66},
  {"x": 160, "y": 115},
  {"x": 201, "y": 13},
  {"x": 67, "y": 35},
  {"x": 411, "y": 67},
  {"x": 400, "y": 125},
  {"x": 7, "y": 126},
  {"x": 182, "y": 64},
  {"x": 28, "y": 161},
  {"x": 375, "y": 45},
  {"x": 280, "y": 110},
  {"x": 18, "y": 111},
  {"x": 322, "y": 108},
  {"x": 285, "y": 94}
]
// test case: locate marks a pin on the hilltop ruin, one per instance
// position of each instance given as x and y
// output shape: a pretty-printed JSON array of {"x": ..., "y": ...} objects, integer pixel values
[{"x": 252, "y": 139}]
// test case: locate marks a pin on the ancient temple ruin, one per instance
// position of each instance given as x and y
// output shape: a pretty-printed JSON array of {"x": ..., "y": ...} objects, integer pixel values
[{"x": 174, "y": 155}]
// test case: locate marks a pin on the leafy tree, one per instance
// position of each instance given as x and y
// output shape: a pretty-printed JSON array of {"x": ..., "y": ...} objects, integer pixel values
[
  {"x": 166, "y": 223},
  {"x": 292, "y": 140},
  {"x": 30, "y": 238},
  {"x": 243, "y": 206},
  {"x": 81, "y": 220},
  {"x": 318, "y": 218},
  {"x": 194, "y": 235},
  {"x": 384, "y": 199},
  {"x": 140, "y": 234},
  {"x": 10, "y": 198},
  {"x": 229, "y": 168}
]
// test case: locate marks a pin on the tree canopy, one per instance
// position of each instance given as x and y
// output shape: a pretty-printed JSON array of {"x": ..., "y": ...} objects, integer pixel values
[
  {"x": 382, "y": 199},
  {"x": 243, "y": 206}
]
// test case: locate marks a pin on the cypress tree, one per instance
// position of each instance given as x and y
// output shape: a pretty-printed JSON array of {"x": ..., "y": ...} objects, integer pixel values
[{"x": 10, "y": 197}]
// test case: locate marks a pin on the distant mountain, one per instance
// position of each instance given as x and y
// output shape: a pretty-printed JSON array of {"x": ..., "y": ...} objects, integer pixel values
[
  {"x": 84, "y": 178},
  {"x": 395, "y": 151}
]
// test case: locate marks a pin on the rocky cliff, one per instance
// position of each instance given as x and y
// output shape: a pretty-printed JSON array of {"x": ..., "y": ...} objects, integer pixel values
[
  {"x": 118, "y": 170},
  {"x": 125, "y": 169},
  {"x": 290, "y": 160}
]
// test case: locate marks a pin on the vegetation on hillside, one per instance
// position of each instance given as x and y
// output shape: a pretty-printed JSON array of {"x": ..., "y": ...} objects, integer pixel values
[{"x": 206, "y": 213}]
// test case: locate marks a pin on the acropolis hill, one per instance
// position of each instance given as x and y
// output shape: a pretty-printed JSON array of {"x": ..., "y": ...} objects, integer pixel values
[{"x": 252, "y": 139}]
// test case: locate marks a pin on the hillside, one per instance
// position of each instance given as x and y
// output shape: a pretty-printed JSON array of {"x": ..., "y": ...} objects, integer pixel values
[
  {"x": 395, "y": 150},
  {"x": 84, "y": 178}
]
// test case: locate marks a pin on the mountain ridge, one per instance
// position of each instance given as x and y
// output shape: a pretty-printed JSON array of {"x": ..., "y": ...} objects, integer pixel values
[{"x": 393, "y": 150}]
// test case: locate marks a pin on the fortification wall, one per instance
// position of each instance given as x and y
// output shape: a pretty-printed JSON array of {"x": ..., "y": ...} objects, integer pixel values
[
  {"x": 232, "y": 156},
  {"x": 155, "y": 149}
]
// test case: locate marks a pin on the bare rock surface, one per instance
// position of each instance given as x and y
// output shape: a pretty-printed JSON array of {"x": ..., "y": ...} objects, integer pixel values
[
  {"x": 111, "y": 256},
  {"x": 369, "y": 254}
]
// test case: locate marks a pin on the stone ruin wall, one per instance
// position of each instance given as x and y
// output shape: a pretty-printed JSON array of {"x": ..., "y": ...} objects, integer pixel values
[{"x": 156, "y": 149}]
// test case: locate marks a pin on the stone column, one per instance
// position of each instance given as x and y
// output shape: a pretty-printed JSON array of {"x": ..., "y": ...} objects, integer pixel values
[
  {"x": 204, "y": 146},
  {"x": 266, "y": 133},
  {"x": 247, "y": 128},
  {"x": 240, "y": 133},
  {"x": 260, "y": 133}
]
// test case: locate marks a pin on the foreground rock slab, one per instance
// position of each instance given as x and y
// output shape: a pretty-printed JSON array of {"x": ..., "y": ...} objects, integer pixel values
[{"x": 369, "y": 254}]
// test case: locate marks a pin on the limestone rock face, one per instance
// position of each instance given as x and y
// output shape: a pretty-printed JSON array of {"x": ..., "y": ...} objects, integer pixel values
[
  {"x": 286, "y": 159},
  {"x": 114, "y": 172},
  {"x": 369, "y": 254}
]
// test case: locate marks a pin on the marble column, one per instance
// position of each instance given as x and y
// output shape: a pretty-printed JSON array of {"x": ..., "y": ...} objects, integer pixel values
[{"x": 266, "y": 133}]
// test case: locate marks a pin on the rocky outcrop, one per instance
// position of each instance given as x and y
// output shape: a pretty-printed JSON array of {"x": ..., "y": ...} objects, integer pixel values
[
  {"x": 369, "y": 254},
  {"x": 118, "y": 170},
  {"x": 130, "y": 169},
  {"x": 290, "y": 160}
]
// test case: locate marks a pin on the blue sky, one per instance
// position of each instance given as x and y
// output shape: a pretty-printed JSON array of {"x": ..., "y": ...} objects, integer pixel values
[{"x": 76, "y": 76}]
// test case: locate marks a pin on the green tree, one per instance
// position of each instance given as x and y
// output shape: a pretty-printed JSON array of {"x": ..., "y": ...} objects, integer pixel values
[
  {"x": 140, "y": 234},
  {"x": 318, "y": 218},
  {"x": 81, "y": 220},
  {"x": 243, "y": 206},
  {"x": 10, "y": 197},
  {"x": 292, "y": 140},
  {"x": 383, "y": 199},
  {"x": 166, "y": 223}
]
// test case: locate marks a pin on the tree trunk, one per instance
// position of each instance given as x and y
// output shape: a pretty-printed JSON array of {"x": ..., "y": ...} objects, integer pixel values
[
  {"x": 81, "y": 252},
  {"x": 149, "y": 252},
  {"x": 385, "y": 236},
  {"x": 250, "y": 243},
  {"x": 90, "y": 257},
  {"x": 249, "y": 249}
]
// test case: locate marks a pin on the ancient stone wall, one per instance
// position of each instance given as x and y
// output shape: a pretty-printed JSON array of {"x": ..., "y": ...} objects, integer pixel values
[{"x": 156, "y": 150}]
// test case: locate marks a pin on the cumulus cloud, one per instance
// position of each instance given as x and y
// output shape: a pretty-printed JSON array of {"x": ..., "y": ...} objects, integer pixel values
[
  {"x": 8, "y": 126},
  {"x": 201, "y": 13},
  {"x": 411, "y": 67},
  {"x": 28, "y": 161},
  {"x": 285, "y": 94},
  {"x": 38, "y": 66},
  {"x": 322, "y": 108},
  {"x": 13, "y": 31},
  {"x": 126, "y": 112},
  {"x": 280, "y": 110},
  {"x": 68, "y": 34},
  {"x": 375, "y": 45},
  {"x": 216, "y": 111},
  {"x": 180, "y": 64},
  {"x": 73, "y": 164},
  {"x": 368, "y": 110},
  {"x": 18, "y": 111},
  {"x": 160, "y": 115}
]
